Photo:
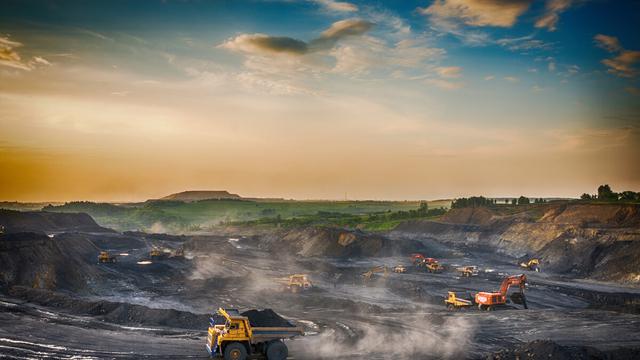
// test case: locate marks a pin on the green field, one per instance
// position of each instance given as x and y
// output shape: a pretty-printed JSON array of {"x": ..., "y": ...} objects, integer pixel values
[{"x": 178, "y": 216}]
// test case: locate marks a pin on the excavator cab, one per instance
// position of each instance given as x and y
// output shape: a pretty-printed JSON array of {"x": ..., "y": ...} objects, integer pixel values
[{"x": 489, "y": 300}]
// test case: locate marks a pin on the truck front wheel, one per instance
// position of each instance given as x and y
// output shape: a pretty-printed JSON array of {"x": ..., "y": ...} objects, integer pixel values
[
  {"x": 277, "y": 350},
  {"x": 235, "y": 351}
]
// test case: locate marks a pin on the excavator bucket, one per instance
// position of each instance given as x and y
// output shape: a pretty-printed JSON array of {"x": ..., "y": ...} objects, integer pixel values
[{"x": 519, "y": 298}]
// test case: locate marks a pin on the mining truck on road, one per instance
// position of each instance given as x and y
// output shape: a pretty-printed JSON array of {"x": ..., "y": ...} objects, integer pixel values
[{"x": 232, "y": 336}]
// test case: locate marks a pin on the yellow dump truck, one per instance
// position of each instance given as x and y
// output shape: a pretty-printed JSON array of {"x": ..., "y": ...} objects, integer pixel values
[
  {"x": 531, "y": 265},
  {"x": 105, "y": 257},
  {"x": 454, "y": 302},
  {"x": 232, "y": 337},
  {"x": 468, "y": 271}
]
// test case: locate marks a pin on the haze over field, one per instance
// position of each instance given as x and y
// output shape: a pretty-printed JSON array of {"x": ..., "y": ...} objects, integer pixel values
[{"x": 122, "y": 101}]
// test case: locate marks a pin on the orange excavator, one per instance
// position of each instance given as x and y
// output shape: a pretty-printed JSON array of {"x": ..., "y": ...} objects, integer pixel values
[{"x": 489, "y": 300}]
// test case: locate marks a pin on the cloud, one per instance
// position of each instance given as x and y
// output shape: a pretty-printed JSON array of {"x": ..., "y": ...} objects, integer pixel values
[
  {"x": 261, "y": 43},
  {"x": 609, "y": 43},
  {"x": 524, "y": 44},
  {"x": 449, "y": 71},
  {"x": 489, "y": 77},
  {"x": 512, "y": 79},
  {"x": 445, "y": 84},
  {"x": 633, "y": 90},
  {"x": 552, "y": 66},
  {"x": 498, "y": 13},
  {"x": 551, "y": 16},
  {"x": 269, "y": 45},
  {"x": 339, "y": 6},
  {"x": 9, "y": 57},
  {"x": 537, "y": 88},
  {"x": 41, "y": 61},
  {"x": 340, "y": 30},
  {"x": 623, "y": 64}
]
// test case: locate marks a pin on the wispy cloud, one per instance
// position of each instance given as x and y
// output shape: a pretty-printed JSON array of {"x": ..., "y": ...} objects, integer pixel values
[
  {"x": 449, "y": 71},
  {"x": 498, "y": 13},
  {"x": 445, "y": 84},
  {"x": 624, "y": 62},
  {"x": 10, "y": 57},
  {"x": 609, "y": 43},
  {"x": 524, "y": 44},
  {"x": 339, "y": 6},
  {"x": 551, "y": 16}
]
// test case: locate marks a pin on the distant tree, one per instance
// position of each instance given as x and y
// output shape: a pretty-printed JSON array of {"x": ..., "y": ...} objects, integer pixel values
[
  {"x": 523, "y": 200},
  {"x": 585, "y": 196},
  {"x": 514, "y": 201},
  {"x": 605, "y": 193},
  {"x": 629, "y": 196},
  {"x": 474, "y": 201}
]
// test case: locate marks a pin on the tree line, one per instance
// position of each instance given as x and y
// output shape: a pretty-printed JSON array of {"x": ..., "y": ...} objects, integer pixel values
[
  {"x": 481, "y": 201},
  {"x": 606, "y": 194}
]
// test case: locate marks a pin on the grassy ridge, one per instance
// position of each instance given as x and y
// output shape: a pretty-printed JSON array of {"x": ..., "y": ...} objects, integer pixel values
[{"x": 177, "y": 216}]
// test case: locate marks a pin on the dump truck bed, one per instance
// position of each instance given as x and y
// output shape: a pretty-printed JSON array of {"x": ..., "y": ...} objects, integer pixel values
[{"x": 261, "y": 334}]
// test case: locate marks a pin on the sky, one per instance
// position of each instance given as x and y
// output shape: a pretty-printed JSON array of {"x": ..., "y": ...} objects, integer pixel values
[{"x": 318, "y": 99}]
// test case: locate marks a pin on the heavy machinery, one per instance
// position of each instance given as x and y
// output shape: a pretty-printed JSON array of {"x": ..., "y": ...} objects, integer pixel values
[
  {"x": 106, "y": 257},
  {"x": 429, "y": 264},
  {"x": 297, "y": 282},
  {"x": 399, "y": 269},
  {"x": 179, "y": 252},
  {"x": 367, "y": 276},
  {"x": 531, "y": 265},
  {"x": 432, "y": 265},
  {"x": 454, "y": 302},
  {"x": 489, "y": 300},
  {"x": 417, "y": 259},
  {"x": 234, "y": 338},
  {"x": 468, "y": 271},
  {"x": 157, "y": 253}
]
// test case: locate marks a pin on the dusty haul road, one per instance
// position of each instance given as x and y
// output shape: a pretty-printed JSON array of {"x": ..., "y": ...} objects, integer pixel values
[{"x": 130, "y": 310}]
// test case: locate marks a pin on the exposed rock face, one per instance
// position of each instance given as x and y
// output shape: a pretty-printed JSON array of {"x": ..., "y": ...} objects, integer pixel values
[
  {"x": 324, "y": 241},
  {"x": 596, "y": 240}
]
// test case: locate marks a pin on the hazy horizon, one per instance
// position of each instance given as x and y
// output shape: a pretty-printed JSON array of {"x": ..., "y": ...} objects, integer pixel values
[
  {"x": 133, "y": 200},
  {"x": 127, "y": 100}
]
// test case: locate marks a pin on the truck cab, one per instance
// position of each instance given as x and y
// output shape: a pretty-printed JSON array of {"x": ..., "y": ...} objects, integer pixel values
[{"x": 232, "y": 337}]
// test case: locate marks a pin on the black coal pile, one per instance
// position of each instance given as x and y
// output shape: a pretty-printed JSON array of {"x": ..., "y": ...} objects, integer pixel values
[
  {"x": 113, "y": 312},
  {"x": 38, "y": 261},
  {"x": 266, "y": 318},
  {"x": 42, "y": 221},
  {"x": 549, "y": 350}
]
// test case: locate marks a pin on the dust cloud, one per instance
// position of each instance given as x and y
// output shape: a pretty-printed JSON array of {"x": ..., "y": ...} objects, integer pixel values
[{"x": 414, "y": 337}]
